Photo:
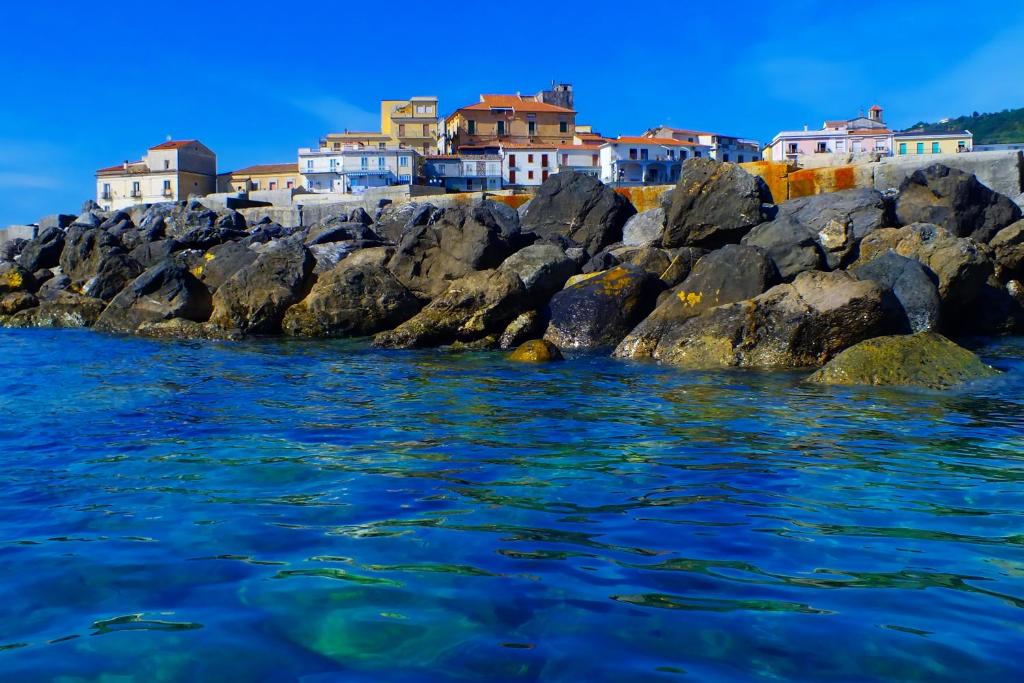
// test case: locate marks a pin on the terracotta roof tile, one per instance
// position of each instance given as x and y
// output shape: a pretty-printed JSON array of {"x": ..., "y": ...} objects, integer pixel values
[
  {"x": 174, "y": 144},
  {"x": 516, "y": 102},
  {"x": 263, "y": 169}
]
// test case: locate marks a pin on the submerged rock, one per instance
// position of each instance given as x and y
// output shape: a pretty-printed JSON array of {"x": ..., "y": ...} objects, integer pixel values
[
  {"x": 536, "y": 351},
  {"x": 923, "y": 360}
]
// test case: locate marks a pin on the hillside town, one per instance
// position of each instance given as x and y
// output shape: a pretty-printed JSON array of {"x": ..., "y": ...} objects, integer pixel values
[{"x": 500, "y": 143}]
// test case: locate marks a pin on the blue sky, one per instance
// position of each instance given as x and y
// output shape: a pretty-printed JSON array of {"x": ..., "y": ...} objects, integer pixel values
[{"x": 87, "y": 85}]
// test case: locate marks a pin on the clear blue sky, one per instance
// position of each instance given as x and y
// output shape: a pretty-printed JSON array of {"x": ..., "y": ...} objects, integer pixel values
[{"x": 87, "y": 85}]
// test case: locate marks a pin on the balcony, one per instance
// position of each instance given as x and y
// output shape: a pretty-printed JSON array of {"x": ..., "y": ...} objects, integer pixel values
[
  {"x": 135, "y": 194},
  {"x": 168, "y": 192},
  {"x": 105, "y": 195}
]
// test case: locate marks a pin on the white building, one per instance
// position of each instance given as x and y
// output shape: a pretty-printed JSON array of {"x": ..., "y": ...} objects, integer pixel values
[
  {"x": 525, "y": 165},
  {"x": 582, "y": 158},
  {"x": 722, "y": 147},
  {"x": 352, "y": 168},
  {"x": 646, "y": 161},
  {"x": 464, "y": 172},
  {"x": 171, "y": 171}
]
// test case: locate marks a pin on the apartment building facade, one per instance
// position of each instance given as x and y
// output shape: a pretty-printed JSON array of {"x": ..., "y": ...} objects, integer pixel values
[
  {"x": 354, "y": 168},
  {"x": 509, "y": 119},
  {"x": 646, "y": 161},
  {"x": 726, "y": 148},
  {"x": 171, "y": 171},
  {"x": 411, "y": 122},
  {"x": 463, "y": 173},
  {"x": 836, "y": 141},
  {"x": 284, "y": 176}
]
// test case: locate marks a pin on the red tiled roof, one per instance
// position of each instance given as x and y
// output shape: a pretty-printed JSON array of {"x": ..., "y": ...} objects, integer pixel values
[
  {"x": 516, "y": 102},
  {"x": 119, "y": 168},
  {"x": 263, "y": 169},
  {"x": 526, "y": 145},
  {"x": 875, "y": 108},
  {"x": 174, "y": 144},
  {"x": 637, "y": 140},
  {"x": 586, "y": 145},
  {"x": 870, "y": 131},
  {"x": 686, "y": 131}
]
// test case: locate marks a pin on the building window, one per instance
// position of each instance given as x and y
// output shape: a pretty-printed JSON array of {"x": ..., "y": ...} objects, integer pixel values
[
  {"x": 790, "y": 148},
  {"x": 401, "y": 130},
  {"x": 543, "y": 175},
  {"x": 565, "y": 159},
  {"x": 403, "y": 161},
  {"x": 632, "y": 154},
  {"x": 381, "y": 165},
  {"x": 512, "y": 176},
  {"x": 167, "y": 188},
  {"x": 382, "y": 145},
  {"x": 334, "y": 165},
  {"x": 106, "y": 190},
  {"x": 672, "y": 154},
  {"x": 544, "y": 160},
  {"x": 529, "y": 158},
  {"x": 903, "y": 148},
  {"x": 309, "y": 165},
  {"x": 531, "y": 126},
  {"x": 404, "y": 179},
  {"x": 136, "y": 192},
  {"x": 511, "y": 159},
  {"x": 337, "y": 145},
  {"x": 529, "y": 175},
  {"x": 594, "y": 160},
  {"x": 426, "y": 130},
  {"x": 643, "y": 154},
  {"x": 289, "y": 185},
  {"x": 725, "y": 157},
  {"x": 697, "y": 154},
  {"x": 935, "y": 148},
  {"x": 167, "y": 164},
  {"x": 501, "y": 127},
  {"x": 682, "y": 154},
  {"x": 364, "y": 163},
  {"x": 471, "y": 127},
  {"x": 740, "y": 159},
  {"x": 563, "y": 125},
  {"x": 920, "y": 148}
]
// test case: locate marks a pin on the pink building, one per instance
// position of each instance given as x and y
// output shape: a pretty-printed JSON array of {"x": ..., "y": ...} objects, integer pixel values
[{"x": 860, "y": 136}]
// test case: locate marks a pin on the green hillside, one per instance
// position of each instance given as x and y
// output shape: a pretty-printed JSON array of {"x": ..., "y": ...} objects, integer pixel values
[{"x": 988, "y": 129}]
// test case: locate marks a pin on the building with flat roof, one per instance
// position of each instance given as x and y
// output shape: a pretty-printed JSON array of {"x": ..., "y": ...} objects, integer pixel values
[
  {"x": 509, "y": 119},
  {"x": 263, "y": 177}
]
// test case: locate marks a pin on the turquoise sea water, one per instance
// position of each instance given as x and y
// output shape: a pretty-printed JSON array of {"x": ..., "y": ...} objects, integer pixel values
[{"x": 296, "y": 511}]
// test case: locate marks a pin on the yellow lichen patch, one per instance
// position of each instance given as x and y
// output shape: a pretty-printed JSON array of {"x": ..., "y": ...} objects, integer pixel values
[
  {"x": 197, "y": 271},
  {"x": 13, "y": 279},
  {"x": 690, "y": 298},
  {"x": 615, "y": 280},
  {"x": 208, "y": 256}
]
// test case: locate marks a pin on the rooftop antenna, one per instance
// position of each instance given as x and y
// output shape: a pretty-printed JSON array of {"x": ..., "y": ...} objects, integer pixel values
[{"x": 169, "y": 138}]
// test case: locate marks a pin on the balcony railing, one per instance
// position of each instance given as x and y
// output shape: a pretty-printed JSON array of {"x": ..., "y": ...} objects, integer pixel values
[
  {"x": 105, "y": 195},
  {"x": 135, "y": 194},
  {"x": 168, "y": 192}
]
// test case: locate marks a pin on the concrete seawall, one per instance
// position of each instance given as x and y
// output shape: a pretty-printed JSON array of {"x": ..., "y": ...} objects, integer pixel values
[{"x": 1001, "y": 171}]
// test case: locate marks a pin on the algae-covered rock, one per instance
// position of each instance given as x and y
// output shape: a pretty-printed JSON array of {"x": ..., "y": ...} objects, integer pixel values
[
  {"x": 63, "y": 309},
  {"x": 926, "y": 359},
  {"x": 180, "y": 328},
  {"x": 599, "y": 311},
  {"x": 536, "y": 351}
]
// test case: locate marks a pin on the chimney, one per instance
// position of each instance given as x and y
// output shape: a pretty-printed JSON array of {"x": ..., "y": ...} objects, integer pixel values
[
  {"x": 126, "y": 164},
  {"x": 806, "y": 128}
]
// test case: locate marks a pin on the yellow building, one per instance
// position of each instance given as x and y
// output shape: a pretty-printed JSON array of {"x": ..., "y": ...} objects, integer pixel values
[
  {"x": 265, "y": 177},
  {"x": 411, "y": 122},
  {"x": 510, "y": 119},
  {"x": 919, "y": 142}
]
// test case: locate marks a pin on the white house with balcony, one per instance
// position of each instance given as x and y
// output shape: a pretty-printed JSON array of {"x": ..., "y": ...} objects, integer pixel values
[
  {"x": 171, "y": 171},
  {"x": 629, "y": 160},
  {"x": 581, "y": 158},
  {"x": 354, "y": 168},
  {"x": 727, "y": 148},
  {"x": 463, "y": 172},
  {"x": 837, "y": 142},
  {"x": 528, "y": 165}
]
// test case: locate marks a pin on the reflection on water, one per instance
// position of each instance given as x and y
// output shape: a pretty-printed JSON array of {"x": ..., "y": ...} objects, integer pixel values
[{"x": 323, "y": 512}]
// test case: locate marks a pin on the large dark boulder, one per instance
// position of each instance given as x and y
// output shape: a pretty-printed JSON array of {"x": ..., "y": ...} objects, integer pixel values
[
  {"x": 801, "y": 324},
  {"x": 165, "y": 291},
  {"x": 790, "y": 244},
  {"x": 255, "y": 298},
  {"x": 732, "y": 273},
  {"x": 395, "y": 220},
  {"x": 543, "y": 268},
  {"x": 11, "y": 249},
  {"x": 598, "y": 311},
  {"x": 961, "y": 267},
  {"x": 912, "y": 284},
  {"x": 84, "y": 250},
  {"x": 1008, "y": 252},
  {"x": 956, "y": 201},
  {"x": 462, "y": 240},
  {"x": 149, "y": 254},
  {"x": 339, "y": 231},
  {"x": 473, "y": 310},
  {"x": 43, "y": 251},
  {"x": 922, "y": 360},
  {"x": 115, "y": 271},
  {"x": 579, "y": 207},
  {"x": 204, "y": 238},
  {"x": 357, "y": 298},
  {"x": 15, "y": 278},
  {"x": 13, "y": 302},
  {"x": 714, "y": 204},
  {"x": 221, "y": 262}
]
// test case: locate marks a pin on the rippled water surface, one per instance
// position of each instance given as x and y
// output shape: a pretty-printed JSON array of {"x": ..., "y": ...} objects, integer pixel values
[{"x": 274, "y": 511}]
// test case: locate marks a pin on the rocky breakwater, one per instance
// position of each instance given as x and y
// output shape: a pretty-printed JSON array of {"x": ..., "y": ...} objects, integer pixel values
[{"x": 718, "y": 276}]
